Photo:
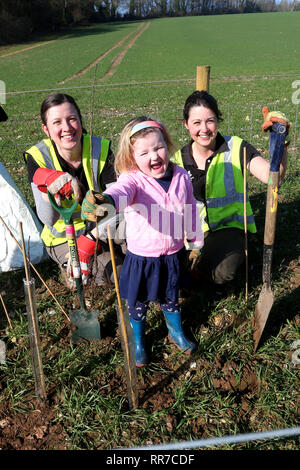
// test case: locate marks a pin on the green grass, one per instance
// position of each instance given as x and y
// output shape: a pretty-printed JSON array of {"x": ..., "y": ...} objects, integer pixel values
[
  {"x": 224, "y": 389},
  {"x": 46, "y": 66},
  {"x": 231, "y": 44},
  {"x": 195, "y": 401}
]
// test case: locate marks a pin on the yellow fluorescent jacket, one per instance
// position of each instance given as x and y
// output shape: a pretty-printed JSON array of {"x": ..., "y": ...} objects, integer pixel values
[{"x": 224, "y": 191}]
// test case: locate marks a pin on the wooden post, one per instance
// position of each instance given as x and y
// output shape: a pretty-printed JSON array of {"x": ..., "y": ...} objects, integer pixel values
[{"x": 202, "y": 80}]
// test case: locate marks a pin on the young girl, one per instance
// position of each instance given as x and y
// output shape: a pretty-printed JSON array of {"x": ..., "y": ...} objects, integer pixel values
[{"x": 160, "y": 212}]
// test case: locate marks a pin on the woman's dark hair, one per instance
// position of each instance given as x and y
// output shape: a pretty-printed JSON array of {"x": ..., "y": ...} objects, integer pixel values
[
  {"x": 201, "y": 98},
  {"x": 55, "y": 99}
]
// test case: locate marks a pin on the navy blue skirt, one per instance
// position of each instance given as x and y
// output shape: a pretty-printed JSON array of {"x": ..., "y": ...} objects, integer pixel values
[{"x": 150, "y": 279}]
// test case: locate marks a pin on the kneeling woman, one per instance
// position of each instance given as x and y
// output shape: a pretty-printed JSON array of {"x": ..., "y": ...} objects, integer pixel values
[
  {"x": 68, "y": 163},
  {"x": 215, "y": 165}
]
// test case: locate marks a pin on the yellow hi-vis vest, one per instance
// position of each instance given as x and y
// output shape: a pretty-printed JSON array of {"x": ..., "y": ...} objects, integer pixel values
[
  {"x": 224, "y": 191},
  {"x": 94, "y": 155}
]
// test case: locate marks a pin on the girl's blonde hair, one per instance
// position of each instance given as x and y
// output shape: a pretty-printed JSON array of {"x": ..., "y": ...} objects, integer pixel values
[{"x": 124, "y": 160}]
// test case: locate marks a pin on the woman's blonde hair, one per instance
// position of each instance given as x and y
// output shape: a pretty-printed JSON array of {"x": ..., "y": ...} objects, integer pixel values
[{"x": 124, "y": 160}]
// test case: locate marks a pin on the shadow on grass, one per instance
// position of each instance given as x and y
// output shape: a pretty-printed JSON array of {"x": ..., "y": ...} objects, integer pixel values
[
  {"x": 162, "y": 384},
  {"x": 284, "y": 309},
  {"x": 287, "y": 238},
  {"x": 95, "y": 29},
  {"x": 286, "y": 250}
]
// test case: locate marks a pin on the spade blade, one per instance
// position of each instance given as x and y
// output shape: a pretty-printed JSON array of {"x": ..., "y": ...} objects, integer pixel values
[{"x": 263, "y": 308}]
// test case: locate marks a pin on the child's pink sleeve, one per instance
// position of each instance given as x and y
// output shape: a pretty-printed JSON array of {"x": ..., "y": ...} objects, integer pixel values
[{"x": 122, "y": 191}]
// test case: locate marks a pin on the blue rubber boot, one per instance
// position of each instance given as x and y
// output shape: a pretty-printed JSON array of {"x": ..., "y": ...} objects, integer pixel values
[
  {"x": 176, "y": 334},
  {"x": 138, "y": 327}
]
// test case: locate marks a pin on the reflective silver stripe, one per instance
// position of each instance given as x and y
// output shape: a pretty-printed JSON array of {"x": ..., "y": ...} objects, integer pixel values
[
  {"x": 55, "y": 232},
  {"x": 228, "y": 170},
  {"x": 212, "y": 203},
  {"x": 45, "y": 151},
  {"x": 236, "y": 217},
  {"x": 231, "y": 195},
  {"x": 95, "y": 153}
]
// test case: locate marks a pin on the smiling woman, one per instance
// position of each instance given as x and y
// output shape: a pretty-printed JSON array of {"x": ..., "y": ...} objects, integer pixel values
[
  {"x": 67, "y": 164},
  {"x": 215, "y": 164},
  {"x": 63, "y": 125}
]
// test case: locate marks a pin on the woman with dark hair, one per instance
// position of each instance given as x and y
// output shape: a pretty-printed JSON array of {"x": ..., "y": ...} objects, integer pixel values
[
  {"x": 67, "y": 164},
  {"x": 215, "y": 165}
]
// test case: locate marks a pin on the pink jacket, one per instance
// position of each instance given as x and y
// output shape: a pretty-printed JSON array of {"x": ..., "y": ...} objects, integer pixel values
[{"x": 156, "y": 221}]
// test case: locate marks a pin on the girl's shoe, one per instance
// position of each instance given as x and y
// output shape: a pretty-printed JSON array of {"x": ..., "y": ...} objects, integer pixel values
[
  {"x": 176, "y": 334},
  {"x": 139, "y": 342}
]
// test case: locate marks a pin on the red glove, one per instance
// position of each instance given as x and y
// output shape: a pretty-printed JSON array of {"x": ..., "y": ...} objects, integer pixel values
[
  {"x": 59, "y": 183},
  {"x": 86, "y": 250}
]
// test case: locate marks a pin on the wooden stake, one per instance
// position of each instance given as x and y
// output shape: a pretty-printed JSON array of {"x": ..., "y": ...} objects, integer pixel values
[
  {"x": 203, "y": 75},
  {"x": 245, "y": 222},
  {"x": 5, "y": 310},
  {"x": 40, "y": 387},
  {"x": 35, "y": 270},
  {"x": 123, "y": 323}
]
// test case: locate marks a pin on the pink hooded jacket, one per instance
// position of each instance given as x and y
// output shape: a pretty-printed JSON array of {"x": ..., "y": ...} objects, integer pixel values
[{"x": 157, "y": 222}]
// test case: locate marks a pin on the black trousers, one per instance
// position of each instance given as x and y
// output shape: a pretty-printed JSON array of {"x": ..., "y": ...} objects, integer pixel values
[{"x": 222, "y": 255}]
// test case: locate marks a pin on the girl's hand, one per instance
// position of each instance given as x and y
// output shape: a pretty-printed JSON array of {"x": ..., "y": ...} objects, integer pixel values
[
  {"x": 95, "y": 206},
  {"x": 194, "y": 257}
]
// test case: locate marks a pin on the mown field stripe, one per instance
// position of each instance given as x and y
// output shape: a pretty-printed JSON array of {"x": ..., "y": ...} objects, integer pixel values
[
  {"x": 101, "y": 57},
  {"x": 27, "y": 48},
  {"x": 120, "y": 56}
]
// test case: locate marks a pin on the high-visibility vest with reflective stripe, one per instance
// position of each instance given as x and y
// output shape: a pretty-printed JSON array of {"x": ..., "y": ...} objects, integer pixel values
[
  {"x": 94, "y": 155},
  {"x": 224, "y": 190}
]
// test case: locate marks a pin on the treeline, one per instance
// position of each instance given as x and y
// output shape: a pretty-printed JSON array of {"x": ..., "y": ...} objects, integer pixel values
[
  {"x": 149, "y": 8},
  {"x": 21, "y": 19}
]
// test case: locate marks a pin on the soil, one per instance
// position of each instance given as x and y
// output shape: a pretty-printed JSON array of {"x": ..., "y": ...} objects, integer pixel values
[{"x": 36, "y": 427}]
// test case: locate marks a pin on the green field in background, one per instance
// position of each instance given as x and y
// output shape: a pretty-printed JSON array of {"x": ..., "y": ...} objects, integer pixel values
[
  {"x": 248, "y": 70},
  {"x": 46, "y": 66},
  {"x": 245, "y": 44}
]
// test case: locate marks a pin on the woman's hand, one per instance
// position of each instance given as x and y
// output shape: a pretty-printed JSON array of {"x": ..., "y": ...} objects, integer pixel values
[
  {"x": 270, "y": 117},
  {"x": 258, "y": 166},
  {"x": 59, "y": 183},
  {"x": 86, "y": 248}
]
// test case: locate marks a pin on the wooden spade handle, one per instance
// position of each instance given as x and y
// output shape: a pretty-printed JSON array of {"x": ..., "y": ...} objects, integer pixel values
[
  {"x": 270, "y": 225},
  {"x": 271, "y": 208}
]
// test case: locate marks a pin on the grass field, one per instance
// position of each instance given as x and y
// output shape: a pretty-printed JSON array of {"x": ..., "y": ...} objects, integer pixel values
[{"x": 224, "y": 389}]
